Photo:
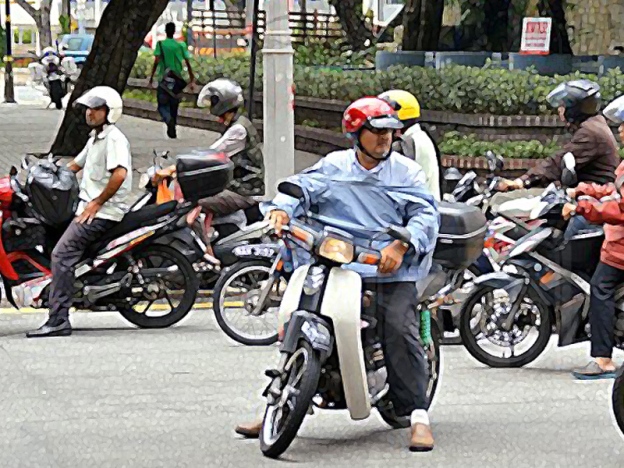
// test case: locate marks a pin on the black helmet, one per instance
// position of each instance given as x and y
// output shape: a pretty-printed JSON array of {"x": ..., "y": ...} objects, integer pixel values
[
  {"x": 580, "y": 98},
  {"x": 221, "y": 95}
]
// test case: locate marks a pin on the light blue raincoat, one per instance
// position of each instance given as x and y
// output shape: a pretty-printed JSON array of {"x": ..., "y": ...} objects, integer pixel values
[{"x": 363, "y": 203}]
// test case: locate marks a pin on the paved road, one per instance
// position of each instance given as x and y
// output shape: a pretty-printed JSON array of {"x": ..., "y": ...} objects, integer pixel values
[{"x": 113, "y": 396}]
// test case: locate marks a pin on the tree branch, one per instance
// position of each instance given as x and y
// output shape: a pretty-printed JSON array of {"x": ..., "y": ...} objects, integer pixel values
[{"x": 29, "y": 9}]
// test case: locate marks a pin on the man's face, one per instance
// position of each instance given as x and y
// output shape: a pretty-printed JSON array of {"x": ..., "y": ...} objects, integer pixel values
[
  {"x": 96, "y": 117},
  {"x": 621, "y": 130},
  {"x": 377, "y": 142}
]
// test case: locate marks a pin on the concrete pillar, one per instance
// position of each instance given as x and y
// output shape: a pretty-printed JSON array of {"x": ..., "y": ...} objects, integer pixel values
[{"x": 278, "y": 96}]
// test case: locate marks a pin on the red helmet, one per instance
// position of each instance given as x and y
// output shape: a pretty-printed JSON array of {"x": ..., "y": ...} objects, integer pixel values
[{"x": 369, "y": 112}]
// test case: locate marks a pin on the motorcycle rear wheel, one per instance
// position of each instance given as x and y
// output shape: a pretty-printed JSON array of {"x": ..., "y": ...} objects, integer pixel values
[
  {"x": 283, "y": 418},
  {"x": 187, "y": 282},
  {"x": 386, "y": 411},
  {"x": 617, "y": 399}
]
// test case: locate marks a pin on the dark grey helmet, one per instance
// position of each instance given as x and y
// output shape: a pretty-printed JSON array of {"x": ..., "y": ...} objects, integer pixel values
[
  {"x": 221, "y": 95},
  {"x": 581, "y": 99}
]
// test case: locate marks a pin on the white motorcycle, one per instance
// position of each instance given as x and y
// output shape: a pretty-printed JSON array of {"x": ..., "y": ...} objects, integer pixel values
[{"x": 331, "y": 356}]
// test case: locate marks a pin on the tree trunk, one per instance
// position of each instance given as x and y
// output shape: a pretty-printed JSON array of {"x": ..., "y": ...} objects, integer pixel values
[
  {"x": 559, "y": 40},
  {"x": 121, "y": 32},
  {"x": 41, "y": 18},
  {"x": 352, "y": 21},
  {"x": 422, "y": 23}
]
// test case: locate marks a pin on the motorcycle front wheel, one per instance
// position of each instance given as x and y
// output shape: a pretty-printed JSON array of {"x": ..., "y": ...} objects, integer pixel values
[
  {"x": 483, "y": 336},
  {"x": 169, "y": 295},
  {"x": 290, "y": 396}
]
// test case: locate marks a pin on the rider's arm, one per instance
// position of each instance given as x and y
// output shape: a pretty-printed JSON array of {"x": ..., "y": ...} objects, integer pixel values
[
  {"x": 427, "y": 157},
  {"x": 602, "y": 212},
  {"x": 594, "y": 190},
  {"x": 114, "y": 183},
  {"x": 118, "y": 163},
  {"x": 582, "y": 146},
  {"x": 232, "y": 142},
  {"x": 78, "y": 162}
]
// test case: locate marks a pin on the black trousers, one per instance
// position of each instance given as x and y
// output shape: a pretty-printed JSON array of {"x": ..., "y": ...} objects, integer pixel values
[
  {"x": 65, "y": 256},
  {"x": 168, "y": 106},
  {"x": 604, "y": 283},
  {"x": 395, "y": 307}
]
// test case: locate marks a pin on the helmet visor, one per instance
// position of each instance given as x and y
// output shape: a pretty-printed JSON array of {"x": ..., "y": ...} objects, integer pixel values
[
  {"x": 91, "y": 101},
  {"x": 615, "y": 110},
  {"x": 388, "y": 122}
]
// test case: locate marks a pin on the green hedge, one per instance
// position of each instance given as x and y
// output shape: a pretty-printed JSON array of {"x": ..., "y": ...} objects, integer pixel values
[{"x": 455, "y": 88}]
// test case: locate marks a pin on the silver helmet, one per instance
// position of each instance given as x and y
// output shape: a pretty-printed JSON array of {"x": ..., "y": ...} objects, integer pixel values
[{"x": 221, "y": 95}]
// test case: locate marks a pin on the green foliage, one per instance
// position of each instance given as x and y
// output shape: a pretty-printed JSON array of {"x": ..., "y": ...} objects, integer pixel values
[
  {"x": 468, "y": 90},
  {"x": 2, "y": 44},
  {"x": 65, "y": 22},
  {"x": 468, "y": 145}
]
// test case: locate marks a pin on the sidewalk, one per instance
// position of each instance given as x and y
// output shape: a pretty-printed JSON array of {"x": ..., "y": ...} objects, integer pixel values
[{"x": 31, "y": 129}]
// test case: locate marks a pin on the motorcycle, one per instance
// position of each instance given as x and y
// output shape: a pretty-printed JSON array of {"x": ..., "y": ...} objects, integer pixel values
[
  {"x": 225, "y": 238},
  {"x": 331, "y": 356},
  {"x": 126, "y": 270},
  {"x": 544, "y": 281},
  {"x": 56, "y": 75}
]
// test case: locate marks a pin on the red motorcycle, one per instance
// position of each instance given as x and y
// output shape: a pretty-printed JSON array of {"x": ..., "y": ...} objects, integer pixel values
[{"x": 129, "y": 269}]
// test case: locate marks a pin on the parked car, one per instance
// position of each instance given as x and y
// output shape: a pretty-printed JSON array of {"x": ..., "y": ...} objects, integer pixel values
[{"x": 76, "y": 46}]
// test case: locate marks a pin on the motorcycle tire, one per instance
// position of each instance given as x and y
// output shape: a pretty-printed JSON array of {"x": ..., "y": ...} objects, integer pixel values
[
  {"x": 219, "y": 299},
  {"x": 617, "y": 399},
  {"x": 470, "y": 343},
  {"x": 271, "y": 445},
  {"x": 191, "y": 284},
  {"x": 386, "y": 410},
  {"x": 56, "y": 93}
]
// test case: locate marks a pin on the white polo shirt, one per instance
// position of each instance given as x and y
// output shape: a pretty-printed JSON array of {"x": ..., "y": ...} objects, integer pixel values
[{"x": 103, "y": 154}]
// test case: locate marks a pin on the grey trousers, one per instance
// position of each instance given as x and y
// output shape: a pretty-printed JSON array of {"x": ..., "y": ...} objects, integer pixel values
[{"x": 65, "y": 256}]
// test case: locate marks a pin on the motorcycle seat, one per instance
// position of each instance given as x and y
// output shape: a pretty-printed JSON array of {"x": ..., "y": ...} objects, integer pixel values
[{"x": 134, "y": 220}]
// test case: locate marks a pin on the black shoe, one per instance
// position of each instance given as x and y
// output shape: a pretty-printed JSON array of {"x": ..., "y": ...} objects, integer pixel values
[
  {"x": 51, "y": 329},
  {"x": 171, "y": 130}
]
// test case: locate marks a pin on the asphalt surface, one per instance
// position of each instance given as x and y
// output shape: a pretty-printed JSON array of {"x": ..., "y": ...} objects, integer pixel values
[{"x": 112, "y": 396}]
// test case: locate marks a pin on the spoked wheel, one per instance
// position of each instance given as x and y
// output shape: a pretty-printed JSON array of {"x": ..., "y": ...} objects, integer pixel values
[
  {"x": 169, "y": 291},
  {"x": 483, "y": 334},
  {"x": 236, "y": 297},
  {"x": 289, "y": 397},
  {"x": 617, "y": 399},
  {"x": 386, "y": 409}
]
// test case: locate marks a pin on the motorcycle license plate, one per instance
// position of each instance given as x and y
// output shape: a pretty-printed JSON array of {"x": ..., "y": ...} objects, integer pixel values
[{"x": 255, "y": 251}]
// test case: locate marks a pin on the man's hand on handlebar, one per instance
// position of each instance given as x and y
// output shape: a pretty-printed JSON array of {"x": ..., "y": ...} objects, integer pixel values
[
  {"x": 278, "y": 220},
  {"x": 392, "y": 257},
  {"x": 505, "y": 185}
]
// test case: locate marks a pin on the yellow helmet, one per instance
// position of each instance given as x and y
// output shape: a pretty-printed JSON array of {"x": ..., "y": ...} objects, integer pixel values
[{"x": 406, "y": 104}]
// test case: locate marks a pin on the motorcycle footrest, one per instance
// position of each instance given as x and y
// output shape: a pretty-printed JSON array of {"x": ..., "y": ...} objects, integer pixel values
[{"x": 272, "y": 373}]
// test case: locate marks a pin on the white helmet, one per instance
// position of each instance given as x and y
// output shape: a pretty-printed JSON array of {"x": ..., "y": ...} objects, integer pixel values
[
  {"x": 615, "y": 110},
  {"x": 103, "y": 96},
  {"x": 48, "y": 51}
]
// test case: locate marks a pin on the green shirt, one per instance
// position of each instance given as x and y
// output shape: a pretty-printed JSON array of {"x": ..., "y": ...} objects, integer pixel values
[{"x": 174, "y": 55}]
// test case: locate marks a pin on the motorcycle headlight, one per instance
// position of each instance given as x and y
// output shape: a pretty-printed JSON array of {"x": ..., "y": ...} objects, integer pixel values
[{"x": 337, "y": 250}]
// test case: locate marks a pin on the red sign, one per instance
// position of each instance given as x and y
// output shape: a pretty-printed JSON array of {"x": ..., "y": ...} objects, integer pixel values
[{"x": 536, "y": 36}]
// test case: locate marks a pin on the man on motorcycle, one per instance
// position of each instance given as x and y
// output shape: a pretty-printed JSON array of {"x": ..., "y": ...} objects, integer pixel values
[
  {"x": 104, "y": 191},
  {"x": 351, "y": 176},
  {"x": 592, "y": 144},
  {"x": 603, "y": 204},
  {"x": 241, "y": 143},
  {"x": 413, "y": 141}
]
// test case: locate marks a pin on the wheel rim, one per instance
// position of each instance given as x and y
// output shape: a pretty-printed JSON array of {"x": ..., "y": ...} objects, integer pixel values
[
  {"x": 278, "y": 412},
  {"x": 240, "y": 295},
  {"x": 166, "y": 293},
  {"x": 486, "y": 317}
]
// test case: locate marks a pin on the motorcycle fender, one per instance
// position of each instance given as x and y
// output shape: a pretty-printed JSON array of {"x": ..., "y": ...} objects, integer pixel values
[
  {"x": 292, "y": 295},
  {"x": 513, "y": 284},
  {"x": 342, "y": 304},
  {"x": 310, "y": 327}
]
